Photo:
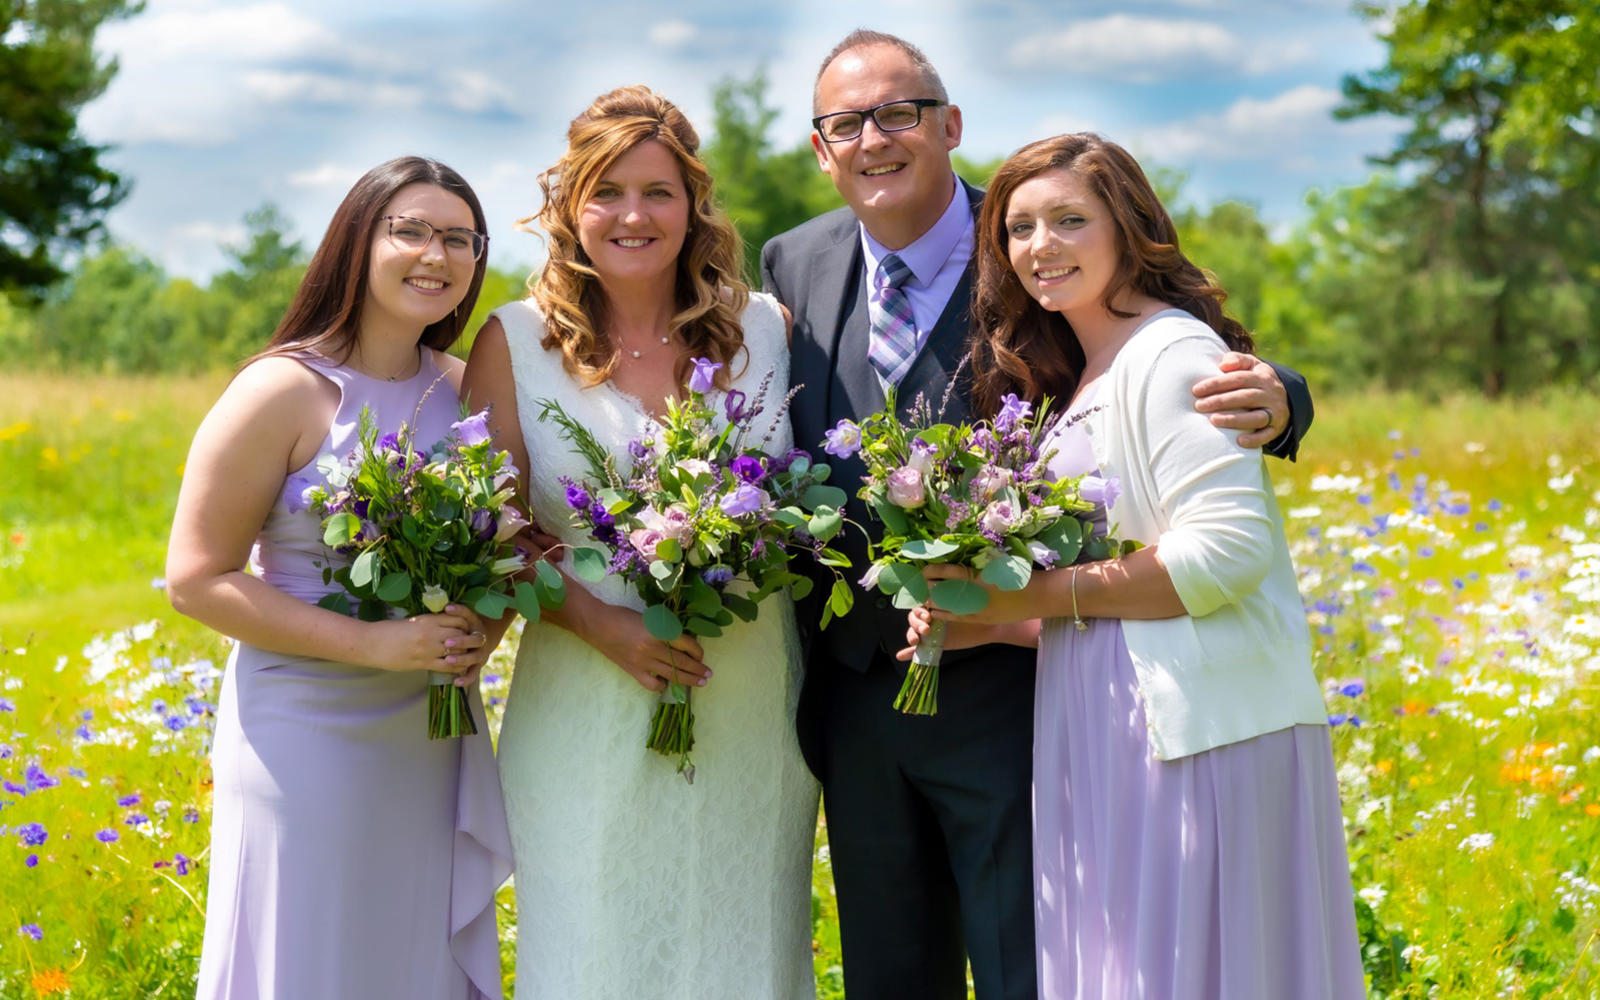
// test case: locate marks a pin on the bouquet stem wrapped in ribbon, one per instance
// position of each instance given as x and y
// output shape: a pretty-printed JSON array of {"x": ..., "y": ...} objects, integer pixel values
[
  {"x": 702, "y": 522},
  {"x": 425, "y": 529},
  {"x": 976, "y": 495}
]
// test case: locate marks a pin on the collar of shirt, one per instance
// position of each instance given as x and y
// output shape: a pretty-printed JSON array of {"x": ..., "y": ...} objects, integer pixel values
[{"x": 926, "y": 255}]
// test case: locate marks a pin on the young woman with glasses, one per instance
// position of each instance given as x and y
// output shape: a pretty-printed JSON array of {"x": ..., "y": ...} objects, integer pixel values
[{"x": 351, "y": 856}]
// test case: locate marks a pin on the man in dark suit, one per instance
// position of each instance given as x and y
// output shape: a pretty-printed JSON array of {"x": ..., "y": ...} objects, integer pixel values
[{"x": 929, "y": 817}]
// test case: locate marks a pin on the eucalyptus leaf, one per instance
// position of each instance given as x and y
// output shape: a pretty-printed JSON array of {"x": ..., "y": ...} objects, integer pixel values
[
  {"x": 825, "y": 525},
  {"x": 822, "y": 495},
  {"x": 668, "y": 550},
  {"x": 491, "y": 605},
  {"x": 1008, "y": 572},
  {"x": 842, "y": 598},
  {"x": 526, "y": 599},
  {"x": 703, "y": 628},
  {"x": 961, "y": 597},
  {"x": 791, "y": 517},
  {"x": 395, "y": 587},
  {"x": 893, "y": 518},
  {"x": 799, "y": 587},
  {"x": 337, "y": 602},
  {"x": 365, "y": 569},
  {"x": 661, "y": 623},
  {"x": 589, "y": 564},
  {"x": 740, "y": 605},
  {"x": 904, "y": 578},
  {"x": 928, "y": 548},
  {"x": 340, "y": 529}
]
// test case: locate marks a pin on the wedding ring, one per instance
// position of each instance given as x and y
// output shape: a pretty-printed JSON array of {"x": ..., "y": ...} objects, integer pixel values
[{"x": 1268, "y": 412}]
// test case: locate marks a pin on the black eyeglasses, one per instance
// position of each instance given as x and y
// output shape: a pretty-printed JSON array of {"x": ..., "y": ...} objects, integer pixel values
[
  {"x": 415, "y": 234},
  {"x": 895, "y": 116}
]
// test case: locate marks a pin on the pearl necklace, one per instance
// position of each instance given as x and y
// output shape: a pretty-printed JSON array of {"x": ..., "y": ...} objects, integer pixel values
[{"x": 640, "y": 354}]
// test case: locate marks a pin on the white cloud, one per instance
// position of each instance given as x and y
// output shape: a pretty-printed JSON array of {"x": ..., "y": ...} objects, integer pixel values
[
  {"x": 1276, "y": 128},
  {"x": 258, "y": 32},
  {"x": 1146, "y": 49},
  {"x": 280, "y": 87},
  {"x": 326, "y": 175},
  {"x": 475, "y": 92},
  {"x": 672, "y": 34},
  {"x": 210, "y": 234}
]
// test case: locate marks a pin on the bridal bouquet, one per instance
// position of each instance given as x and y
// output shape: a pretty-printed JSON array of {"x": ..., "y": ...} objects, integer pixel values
[
  {"x": 424, "y": 529},
  {"x": 701, "y": 522},
  {"x": 975, "y": 495}
]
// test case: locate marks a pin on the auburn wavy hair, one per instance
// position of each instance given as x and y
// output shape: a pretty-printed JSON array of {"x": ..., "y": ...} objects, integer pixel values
[
  {"x": 710, "y": 294},
  {"x": 325, "y": 315},
  {"x": 1020, "y": 347}
]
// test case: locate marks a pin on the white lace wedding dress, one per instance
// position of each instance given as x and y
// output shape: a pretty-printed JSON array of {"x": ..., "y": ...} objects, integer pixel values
[{"x": 632, "y": 884}]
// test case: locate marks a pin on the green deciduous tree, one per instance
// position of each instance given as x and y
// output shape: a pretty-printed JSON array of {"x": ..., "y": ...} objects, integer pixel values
[
  {"x": 1494, "y": 204},
  {"x": 54, "y": 190}
]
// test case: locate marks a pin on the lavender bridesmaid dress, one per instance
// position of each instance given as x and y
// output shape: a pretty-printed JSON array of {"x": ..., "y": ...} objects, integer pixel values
[
  {"x": 1218, "y": 876},
  {"x": 351, "y": 857}
]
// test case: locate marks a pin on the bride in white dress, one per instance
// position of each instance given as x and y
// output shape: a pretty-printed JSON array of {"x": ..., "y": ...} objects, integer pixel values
[{"x": 631, "y": 883}]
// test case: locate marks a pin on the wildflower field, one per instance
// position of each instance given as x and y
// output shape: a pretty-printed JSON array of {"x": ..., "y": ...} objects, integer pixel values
[{"x": 1449, "y": 558}]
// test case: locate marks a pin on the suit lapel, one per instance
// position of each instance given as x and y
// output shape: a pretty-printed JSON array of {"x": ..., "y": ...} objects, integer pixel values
[{"x": 852, "y": 386}]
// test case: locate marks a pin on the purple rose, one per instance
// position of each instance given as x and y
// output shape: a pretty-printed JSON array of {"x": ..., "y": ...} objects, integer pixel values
[
  {"x": 748, "y": 468},
  {"x": 745, "y": 499},
  {"x": 1012, "y": 412},
  {"x": 991, "y": 479},
  {"x": 1101, "y": 491},
  {"x": 733, "y": 406},
  {"x": 843, "y": 441},
  {"x": 704, "y": 376},
  {"x": 905, "y": 488},
  {"x": 473, "y": 429},
  {"x": 998, "y": 518}
]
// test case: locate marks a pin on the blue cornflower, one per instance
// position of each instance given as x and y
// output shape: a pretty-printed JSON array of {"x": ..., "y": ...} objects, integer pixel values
[
  {"x": 38, "y": 780},
  {"x": 107, "y": 836},
  {"x": 77, "y": 772},
  {"x": 136, "y": 819},
  {"x": 1355, "y": 721},
  {"x": 84, "y": 733},
  {"x": 6, "y": 753},
  {"x": 180, "y": 863},
  {"x": 86, "y": 715},
  {"x": 1353, "y": 689},
  {"x": 1336, "y": 719},
  {"x": 33, "y": 834},
  {"x": 176, "y": 722},
  {"x": 6, "y": 705},
  {"x": 13, "y": 788},
  {"x": 30, "y": 930},
  {"x": 128, "y": 801},
  {"x": 159, "y": 707},
  {"x": 191, "y": 815},
  {"x": 31, "y": 861}
]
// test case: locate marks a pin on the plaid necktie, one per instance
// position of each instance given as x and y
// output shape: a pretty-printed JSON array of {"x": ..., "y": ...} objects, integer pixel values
[{"x": 893, "y": 344}]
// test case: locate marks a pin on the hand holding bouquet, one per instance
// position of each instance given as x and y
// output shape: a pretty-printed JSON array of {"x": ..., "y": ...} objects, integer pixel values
[
  {"x": 974, "y": 495},
  {"x": 426, "y": 529},
  {"x": 690, "y": 511}
]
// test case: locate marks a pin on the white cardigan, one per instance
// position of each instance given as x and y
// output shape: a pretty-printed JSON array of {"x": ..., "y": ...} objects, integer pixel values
[{"x": 1239, "y": 663}]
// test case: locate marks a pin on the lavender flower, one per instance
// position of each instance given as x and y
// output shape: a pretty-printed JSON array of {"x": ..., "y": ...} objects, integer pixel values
[
  {"x": 844, "y": 440},
  {"x": 745, "y": 499},
  {"x": 704, "y": 376},
  {"x": 1012, "y": 412},
  {"x": 473, "y": 429}
]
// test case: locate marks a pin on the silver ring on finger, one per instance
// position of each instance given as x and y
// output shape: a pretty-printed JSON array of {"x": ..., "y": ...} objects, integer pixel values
[{"x": 1268, "y": 414}]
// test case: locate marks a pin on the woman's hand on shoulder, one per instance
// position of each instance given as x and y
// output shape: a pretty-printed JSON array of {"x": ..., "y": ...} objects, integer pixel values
[{"x": 620, "y": 635}]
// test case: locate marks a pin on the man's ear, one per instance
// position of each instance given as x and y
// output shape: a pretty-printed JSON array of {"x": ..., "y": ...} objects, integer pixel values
[
  {"x": 824, "y": 161},
  {"x": 951, "y": 121}
]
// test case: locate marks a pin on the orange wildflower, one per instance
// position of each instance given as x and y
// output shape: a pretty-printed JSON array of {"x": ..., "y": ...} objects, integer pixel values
[
  {"x": 1593, "y": 809},
  {"x": 50, "y": 981}
]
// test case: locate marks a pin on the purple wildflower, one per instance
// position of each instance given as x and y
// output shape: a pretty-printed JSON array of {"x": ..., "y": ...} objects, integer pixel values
[
  {"x": 638, "y": 450},
  {"x": 136, "y": 819},
  {"x": 389, "y": 442},
  {"x": 577, "y": 497},
  {"x": 717, "y": 576},
  {"x": 748, "y": 468},
  {"x": 191, "y": 815},
  {"x": 1012, "y": 411},
  {"x": 30, "y": 930},
  {"x": 482, "y": 523},
  {"x": 38, "y": 780},
  {"x": 31, "y": 861},
  {"x": 107, "y": 836},
  {"x": 473, "y": 429},
  {"x": 733, "y": 406},
  {"x": 1353, "y": 689},
  {"x": 180, "y": 864},
  {"x": 129, "y": 801},
  {"x": 33, "y": 834},
  {"x": 843, "y": 441},
  {"x": 13, "y": 788},
  {"x": 84, "y": 733},
  {"x": 176, "y": 723},
  {"x": 7, "y": 705},
  {"x": 704, "y": 376},
  {"x": 745, "y": 499},
  {"x": 6, "y": 753}
]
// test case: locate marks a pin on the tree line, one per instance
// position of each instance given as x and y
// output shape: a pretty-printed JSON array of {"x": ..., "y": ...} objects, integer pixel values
[{"x": 1468, "y": 260}]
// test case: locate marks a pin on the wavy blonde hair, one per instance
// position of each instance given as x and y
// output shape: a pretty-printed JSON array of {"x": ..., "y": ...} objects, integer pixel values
[{"x": 710, "y": 295}]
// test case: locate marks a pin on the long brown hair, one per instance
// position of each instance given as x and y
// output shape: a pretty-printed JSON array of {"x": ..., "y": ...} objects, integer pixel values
[
  {"x": 710, "y": 295},
  {"x": 1019, "y": 346},
  {"x": 325, "y": 315}
]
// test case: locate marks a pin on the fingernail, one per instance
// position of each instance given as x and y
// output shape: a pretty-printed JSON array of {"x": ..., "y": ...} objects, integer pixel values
[
  {"x": 449, "y": 644},
  {"x": 450, "y": 659}
]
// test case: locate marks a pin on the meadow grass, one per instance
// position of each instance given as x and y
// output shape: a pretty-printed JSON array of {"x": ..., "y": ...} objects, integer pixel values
[{"x": 1450, "y": 560}]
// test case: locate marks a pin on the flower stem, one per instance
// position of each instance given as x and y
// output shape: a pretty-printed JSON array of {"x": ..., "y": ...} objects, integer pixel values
[
  {"x": 449, "y": 710},
  {"x": 919, "y": 693}
]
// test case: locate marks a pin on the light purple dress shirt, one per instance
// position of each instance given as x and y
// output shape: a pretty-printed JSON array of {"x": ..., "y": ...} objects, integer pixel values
[{"x": 937, "y": 259}]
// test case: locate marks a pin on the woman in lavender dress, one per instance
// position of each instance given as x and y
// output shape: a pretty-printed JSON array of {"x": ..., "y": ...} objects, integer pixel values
[
  {"x": 1187, "y": 833},
  {"x": 351, "y": 856}
]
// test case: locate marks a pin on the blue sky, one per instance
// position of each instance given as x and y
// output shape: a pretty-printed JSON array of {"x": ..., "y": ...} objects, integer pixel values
[{"x": 221, "y": 105}]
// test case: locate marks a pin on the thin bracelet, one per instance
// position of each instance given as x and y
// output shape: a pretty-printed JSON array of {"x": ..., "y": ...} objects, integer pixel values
[{"x": 1077, "y": 620}]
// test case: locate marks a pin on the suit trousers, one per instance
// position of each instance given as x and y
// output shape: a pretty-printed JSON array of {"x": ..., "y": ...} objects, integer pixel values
[{"x": 930, "y": 826}]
